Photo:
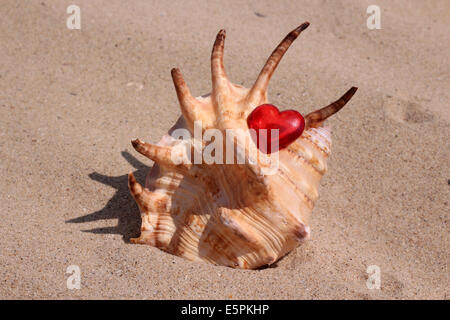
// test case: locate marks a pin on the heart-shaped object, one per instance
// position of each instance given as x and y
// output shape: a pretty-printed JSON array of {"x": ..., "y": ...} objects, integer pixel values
[{"x": 290, "y": 124}]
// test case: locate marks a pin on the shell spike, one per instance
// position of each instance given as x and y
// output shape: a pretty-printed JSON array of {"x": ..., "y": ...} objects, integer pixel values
[
  {"x": 316, "y": 118},
  {"x": 259, "y": 89},
  {"x": 220, "y": 85},
  {"x": 219, "y": 77},
  {"x": 141, "y": 195},
  {"x": 133, "y": 185},
  {"x": 160, "y": 154},
  {"x": 188, "y": 103}
]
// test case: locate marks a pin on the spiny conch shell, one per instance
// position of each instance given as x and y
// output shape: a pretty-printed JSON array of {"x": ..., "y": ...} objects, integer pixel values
[{"x": 234, "y": 215}]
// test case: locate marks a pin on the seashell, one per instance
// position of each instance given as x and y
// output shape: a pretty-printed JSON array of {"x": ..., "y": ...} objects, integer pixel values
[{"x": 239, "y": 215}]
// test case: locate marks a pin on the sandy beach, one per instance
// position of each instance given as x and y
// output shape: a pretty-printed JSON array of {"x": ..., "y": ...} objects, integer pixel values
[{"x": 71, "y": 101}]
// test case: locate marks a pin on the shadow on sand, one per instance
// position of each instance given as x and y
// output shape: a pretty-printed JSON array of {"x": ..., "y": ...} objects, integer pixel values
[{"x": 121, "y": 206}]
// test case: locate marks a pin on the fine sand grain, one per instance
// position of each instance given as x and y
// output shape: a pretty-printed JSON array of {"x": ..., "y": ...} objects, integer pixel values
[{"x": 71, "y": 101}]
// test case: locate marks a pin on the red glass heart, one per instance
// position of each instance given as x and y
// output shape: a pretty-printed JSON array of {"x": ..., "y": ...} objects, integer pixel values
[{"x": 290, "y": 124}]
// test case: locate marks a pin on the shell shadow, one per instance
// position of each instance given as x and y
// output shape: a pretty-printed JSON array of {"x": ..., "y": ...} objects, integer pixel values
[{"x": 119, "y": 206}]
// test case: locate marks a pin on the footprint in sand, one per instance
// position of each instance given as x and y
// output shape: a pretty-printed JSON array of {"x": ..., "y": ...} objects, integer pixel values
[{"x": 405, "y": 111}]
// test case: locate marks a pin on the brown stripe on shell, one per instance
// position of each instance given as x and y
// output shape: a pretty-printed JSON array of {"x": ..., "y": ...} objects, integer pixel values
[
  {"x": 306, "y": 198},
  {"x": 308, "y": 138},
  {"x": 305, "y": 161}
]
